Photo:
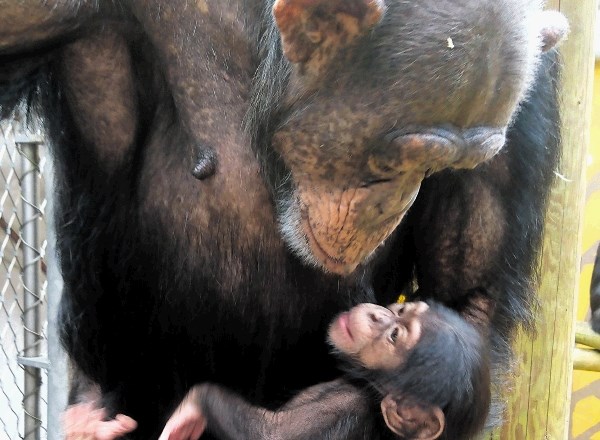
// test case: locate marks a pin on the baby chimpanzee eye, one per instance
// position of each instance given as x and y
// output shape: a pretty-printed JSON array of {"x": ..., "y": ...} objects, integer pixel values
[{"x": 394, "y": 335}]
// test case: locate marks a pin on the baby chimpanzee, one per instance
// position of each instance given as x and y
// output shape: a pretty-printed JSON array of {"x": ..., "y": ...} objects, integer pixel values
[{"x": 428, "y": 366}]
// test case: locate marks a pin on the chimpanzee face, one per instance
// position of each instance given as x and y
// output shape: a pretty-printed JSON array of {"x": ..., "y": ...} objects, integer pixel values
[
  {"x": 432, "y": 85},
  {"x": 378, "y": 337}
]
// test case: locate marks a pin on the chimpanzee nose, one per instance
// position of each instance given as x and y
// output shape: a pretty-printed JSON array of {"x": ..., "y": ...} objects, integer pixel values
[
  {"x": 373, "y": 317},
  {"x": 439, "y": 148},
  {"x": 378, "y": 318}
]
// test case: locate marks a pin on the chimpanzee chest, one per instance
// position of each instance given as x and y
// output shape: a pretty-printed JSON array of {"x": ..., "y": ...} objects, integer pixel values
[{"x": 211, "y": 285}]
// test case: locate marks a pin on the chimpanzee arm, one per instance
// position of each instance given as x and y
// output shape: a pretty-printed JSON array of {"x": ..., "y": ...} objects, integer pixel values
[
  {"x": 30, "y": 31},
  {"x": 332, "y": 410},
  {"x": 477, "y": 232},
  {"x": 25, "y": 23}
]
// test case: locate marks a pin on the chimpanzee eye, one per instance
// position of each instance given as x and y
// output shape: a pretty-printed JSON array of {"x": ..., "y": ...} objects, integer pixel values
[{"x": 394, "y": 335}]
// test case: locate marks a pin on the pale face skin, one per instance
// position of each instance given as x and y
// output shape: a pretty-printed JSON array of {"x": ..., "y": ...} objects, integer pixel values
[{"x": 378, "y": 337}]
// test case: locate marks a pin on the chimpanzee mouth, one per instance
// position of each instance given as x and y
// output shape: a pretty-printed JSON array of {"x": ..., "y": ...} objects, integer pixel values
[
  {"x": 343, "y": 322},
  {"x": 346, "y": 264},
  {"x": 333, "y": 264},
  {"x": 338, "y": 248}
]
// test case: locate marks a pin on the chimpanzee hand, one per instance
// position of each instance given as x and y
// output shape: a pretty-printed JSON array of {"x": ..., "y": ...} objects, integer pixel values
[
  {"x": 187, "y": 422},
  {"x": 84, "y": 421},
  {"x": 479, "y": 310}
]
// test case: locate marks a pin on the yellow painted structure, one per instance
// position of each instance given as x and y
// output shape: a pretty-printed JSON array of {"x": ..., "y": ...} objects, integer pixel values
[{"x": 585, "y": 403}]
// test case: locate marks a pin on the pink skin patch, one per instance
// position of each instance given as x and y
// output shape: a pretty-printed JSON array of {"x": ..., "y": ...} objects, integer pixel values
[{"x": 343, "y": 323}]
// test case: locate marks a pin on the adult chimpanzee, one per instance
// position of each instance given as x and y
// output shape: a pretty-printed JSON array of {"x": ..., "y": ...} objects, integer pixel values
[
  {"x": 423, "y": 361},
  {"x": 228, "y": 182}
]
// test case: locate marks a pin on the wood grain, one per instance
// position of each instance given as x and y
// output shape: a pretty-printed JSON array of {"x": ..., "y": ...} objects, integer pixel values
[{"x": 539, "y": 400}]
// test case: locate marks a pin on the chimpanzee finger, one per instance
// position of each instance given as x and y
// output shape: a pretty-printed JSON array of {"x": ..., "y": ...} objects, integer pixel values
[
  {"x": 113, "y": 429},
  {"x": 80, "y": 421},
  {"x": 198, "y": 430}
]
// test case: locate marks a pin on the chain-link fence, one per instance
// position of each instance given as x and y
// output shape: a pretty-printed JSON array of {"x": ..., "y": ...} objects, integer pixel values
[{"x": 23, "y": 285}]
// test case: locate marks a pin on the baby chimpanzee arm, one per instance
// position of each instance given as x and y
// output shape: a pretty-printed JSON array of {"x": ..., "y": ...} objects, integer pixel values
[{"x": 332, "y": 410}]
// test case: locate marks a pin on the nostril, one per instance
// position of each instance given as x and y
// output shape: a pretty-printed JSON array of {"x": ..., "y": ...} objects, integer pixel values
[{"x": 373, "y": 317}]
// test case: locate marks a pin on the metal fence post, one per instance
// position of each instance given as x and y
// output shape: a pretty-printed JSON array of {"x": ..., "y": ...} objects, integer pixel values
[
  {"x": 31, "y": 287},
  {"x": 58, "y": 371}
]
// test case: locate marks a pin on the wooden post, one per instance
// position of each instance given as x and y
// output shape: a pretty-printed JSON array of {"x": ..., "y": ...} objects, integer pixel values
[{"x": 539, "y": 400}]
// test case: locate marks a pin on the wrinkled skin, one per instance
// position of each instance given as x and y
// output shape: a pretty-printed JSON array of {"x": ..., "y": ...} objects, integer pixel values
[{"x": 221, "y": 191}]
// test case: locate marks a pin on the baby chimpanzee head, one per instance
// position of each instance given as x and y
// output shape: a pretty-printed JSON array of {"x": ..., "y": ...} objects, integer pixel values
[{"x": 430, "y": 366}]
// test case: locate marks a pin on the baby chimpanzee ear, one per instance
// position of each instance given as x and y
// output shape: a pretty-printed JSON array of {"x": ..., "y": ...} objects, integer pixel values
[
  {"x": 553, "y": 28},
  {"x": 413, "y": 420}
]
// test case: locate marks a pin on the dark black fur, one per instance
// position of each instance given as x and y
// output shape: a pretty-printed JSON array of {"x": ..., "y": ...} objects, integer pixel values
[
  {"x": 137, "y": 298},
  {"x": 447, "y": 369},
  {"x": 532, "y": 155}
]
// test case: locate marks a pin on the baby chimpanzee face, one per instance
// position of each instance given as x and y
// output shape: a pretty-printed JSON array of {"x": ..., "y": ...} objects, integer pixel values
[{"x": 378, "y": 337}]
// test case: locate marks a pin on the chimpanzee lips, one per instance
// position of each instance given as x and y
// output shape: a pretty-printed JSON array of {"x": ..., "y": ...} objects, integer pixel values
[
  {"x": 343, "y": 321},
  {"x": 340, "y": 333},
  {"x": 344, "y": 227},
  {"x": 333, "y": 264}
]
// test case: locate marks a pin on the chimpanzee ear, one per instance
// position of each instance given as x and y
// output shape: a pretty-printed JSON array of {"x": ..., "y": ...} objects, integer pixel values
[
  {"x": 313, "y": 30},
  {"x": 407, "y": 418},
  {"x": 553, "y": 28}
]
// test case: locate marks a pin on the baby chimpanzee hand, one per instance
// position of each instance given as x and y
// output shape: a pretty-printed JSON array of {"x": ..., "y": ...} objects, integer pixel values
[
  {"x": 187, "y": 422},
  {"x": 85, "y": 421}
]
